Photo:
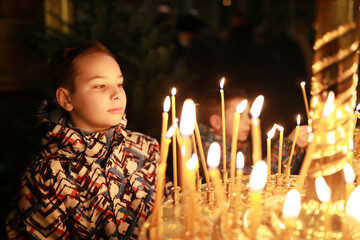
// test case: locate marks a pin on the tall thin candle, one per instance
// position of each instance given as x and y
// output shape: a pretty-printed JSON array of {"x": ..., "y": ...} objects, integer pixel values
[
  {"x": 239, "y": 109},
  {"x": 281, "y": 129},
  {"x": 302, "y": 84},
  {"x": 270, "y": 135},
  {"x": 223, "y": 128},
  {"x": 165, "y": 119},
  {"x": 174, "y": 146},
  {"x": 255, "y": 128}
]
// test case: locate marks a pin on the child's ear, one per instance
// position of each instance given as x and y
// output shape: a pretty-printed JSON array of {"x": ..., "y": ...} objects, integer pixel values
[
  {"x": 215, "y": 121},
  {"x": 63, "y": 98}
]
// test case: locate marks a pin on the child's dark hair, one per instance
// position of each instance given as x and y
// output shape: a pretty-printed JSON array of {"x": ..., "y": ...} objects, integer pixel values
[
  {"x": 62, "y": 67},
  {"x": 210, "y": 102}
]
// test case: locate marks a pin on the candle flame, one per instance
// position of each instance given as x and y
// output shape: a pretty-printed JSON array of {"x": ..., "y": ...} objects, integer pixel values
[
  {"x": 213, "y": 157},
  {"x": 241, "y": 106},
  {"x": 349, "y": 173},
  {"x": 188, "y": 118},
  {"x": 256, "y": 106},
  {"x": 171, "y": 131},
  {"x": 240, "y": 161},
  {"x": 329, "y": 105},
  {"x": 302, "y": 84},
  {"x": 292, "y": 204},
  {"x": 192, "y": 162},
  {"x": 280, "y": 128},
  {"x": 173, "y": 91},
  {"x": 222, "y": 83},
  {"x": 166, "y": 106},
  {"x": 258, "y": 176},
  {"x": 298, "y": 120},
  {"x": 358, "y": 107},
  {"x": 271, "y": 133},
  {"x": 352, "y": 206},
  {"x": 322, "y": 189}
]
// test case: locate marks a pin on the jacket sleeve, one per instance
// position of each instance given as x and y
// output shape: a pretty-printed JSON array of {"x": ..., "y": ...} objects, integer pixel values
[
  {"x": 135, "y": 199},
  {"x": 40, "y": 212},
  {"x": 297, "y": 158}
]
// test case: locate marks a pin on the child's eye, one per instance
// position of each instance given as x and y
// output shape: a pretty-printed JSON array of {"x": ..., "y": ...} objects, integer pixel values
[
  {"x": 99, "y": 86},
  {"x": 120, "y": 85}
]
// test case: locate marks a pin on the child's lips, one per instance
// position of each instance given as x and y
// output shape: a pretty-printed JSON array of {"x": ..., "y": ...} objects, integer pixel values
[{"x": 116, "y": 110}]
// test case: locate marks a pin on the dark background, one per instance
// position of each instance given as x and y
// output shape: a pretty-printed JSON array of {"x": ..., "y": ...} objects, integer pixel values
[{"x": 263, "y": 46}]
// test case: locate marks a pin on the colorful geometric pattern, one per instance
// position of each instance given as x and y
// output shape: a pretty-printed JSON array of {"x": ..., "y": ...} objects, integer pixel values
[{"x": 86, "y": 185}]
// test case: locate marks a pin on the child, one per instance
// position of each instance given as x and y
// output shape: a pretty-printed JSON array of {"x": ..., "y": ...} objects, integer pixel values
[
  {"x": 211, "y": 130},
  {"x": 93, "y": 179}
]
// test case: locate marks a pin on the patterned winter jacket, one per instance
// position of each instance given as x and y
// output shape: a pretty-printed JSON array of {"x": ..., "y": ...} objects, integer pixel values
[{"x": 85, "y": 185}]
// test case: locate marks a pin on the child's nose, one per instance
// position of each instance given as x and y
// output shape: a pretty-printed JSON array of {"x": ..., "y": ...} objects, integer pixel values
[{"x": 116, "y": 93}]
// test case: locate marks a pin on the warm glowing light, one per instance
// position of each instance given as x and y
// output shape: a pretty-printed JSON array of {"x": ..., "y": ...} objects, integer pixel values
[
  {"x": 240, "y": 161},
  {"x": 302, "y": 83},
  {"x": 351, "y": 145},
  {"x": 176, "y": 120},
  {"x": 298, "y": 120},
  {"x": 188, "y": 118},
  {"x": 271, "y": 133},
  {"x": 258, "y": 176},
  {"x": 171, "y": 131},
  {"x": 349, "y": 173},
  {"x": 241, "y": 106},
  {"x": 352, "y": 206},
  {"x": 213, "y": 157},
  {"x": 280, "y": 128},
  {"x": 322, "y": 189},
  {"x": 331, "y": 137},
  {"x": 222, "y": 83},
  {"x": 166, "y": 106},
  {"x": 192, "y": 162},
  {"x": 256, "y": 106},
  {"x": 329, "y": 105},
  {"x": 358, "y": 107},
  {"x": 292, "y": 204},
  {"x": 173, "y": 91}
]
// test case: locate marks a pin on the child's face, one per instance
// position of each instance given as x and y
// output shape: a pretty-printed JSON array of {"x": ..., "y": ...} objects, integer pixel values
[
  {"x": 244, "y": 125},
  {"x": 99, "y": 99}
]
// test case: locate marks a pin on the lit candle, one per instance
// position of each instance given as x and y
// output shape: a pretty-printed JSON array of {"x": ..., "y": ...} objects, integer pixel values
[
  {"x": 187, "y": 125},
  {"x": 239, "y": 109},
  {"x": 294, "y": 142},
  {"x": 323, "y": 192},
  {"x": 255, "y": 128},
  {"x": 349, "y": 179},
  {"x": 202, "y": 155},
  {"x": 223, "y": 128},
  {"x": 165, "y": 117},
  {"x": 270, "y": 135},
  {"x": 213, "y": 160},
  {"x": 257, "y": 182},
  {"x": 281, "y": 129},
  {"x": 174, "y": 146},
  {"x": 157, "y": 213},
  {"x": 305, "y": 99},
  {"x": 291, "y": 211}
]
